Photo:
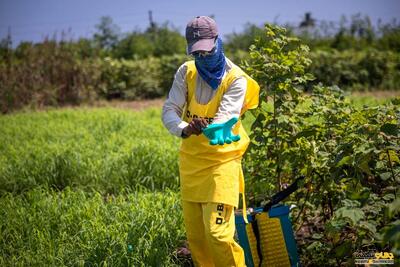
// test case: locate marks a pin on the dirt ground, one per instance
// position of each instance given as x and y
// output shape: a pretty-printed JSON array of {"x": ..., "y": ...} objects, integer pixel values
[
  {"x": 377, "y": 94},
  {"x": 138, "y": 105},
  {"x": 143, "y": 104}
]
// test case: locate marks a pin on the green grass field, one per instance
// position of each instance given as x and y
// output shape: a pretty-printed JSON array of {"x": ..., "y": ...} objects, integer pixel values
[
  {"x": 77, "y": 228},
  {"x": 119, "y": 201},
  {"x": 91, "y": 187},
  {"x": 103, "y": 149}
]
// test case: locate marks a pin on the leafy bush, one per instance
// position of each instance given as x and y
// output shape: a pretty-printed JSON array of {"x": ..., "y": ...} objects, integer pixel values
[
  {"x": 57, "y": 74},
  {"x": 130, "y": 79},
  {"x": 146, "y": 78},
  {"x": 156, "y": 41},
  {"x": 349, "y": 156},
  {"x": 47, "y": 75},
  {"x": 358, "y": 70},
  {"x": 168, "y": 67},
  {"x": 56, "y": 77}
]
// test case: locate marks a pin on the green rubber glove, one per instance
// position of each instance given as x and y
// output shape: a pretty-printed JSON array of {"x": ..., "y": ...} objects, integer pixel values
[{"x": 221, "y": 133}]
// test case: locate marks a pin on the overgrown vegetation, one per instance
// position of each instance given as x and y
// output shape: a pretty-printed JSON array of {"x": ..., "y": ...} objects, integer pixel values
[
  {"x": 53, "y": 75},
  {"x": 349, "y": 156},
  {"x": 141, "y": 64}
]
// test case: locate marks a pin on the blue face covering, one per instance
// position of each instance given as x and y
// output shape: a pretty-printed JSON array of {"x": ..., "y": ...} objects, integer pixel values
[{"x": 212, "y": 67}]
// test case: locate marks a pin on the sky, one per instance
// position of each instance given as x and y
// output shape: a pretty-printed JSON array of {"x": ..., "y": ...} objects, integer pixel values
[{"x": 32, "y": 20}]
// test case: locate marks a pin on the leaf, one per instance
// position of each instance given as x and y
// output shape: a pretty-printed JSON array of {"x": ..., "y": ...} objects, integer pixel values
[
  {"x": 309, "y": 76},
  {"x": 359, "y": 195},
  {"x": 368, "y": 226},
  {"x": 335, "y": 226},
  {"x": 314, "y": 245},
  {"x": 344, "y": 249},
  {"x": 388, "y": 197},
  {"x": 386, "y": 175},
  {"x": 343, "y": 161},
  {"x": 393, "y": 157},
  {"x": 394, "y": 208},
  {"x": 317, "y": 236},
  {"x": 364, "y": 167},
  {"x": 392, "y": 232},
  {"x": 353, "y": 214}
]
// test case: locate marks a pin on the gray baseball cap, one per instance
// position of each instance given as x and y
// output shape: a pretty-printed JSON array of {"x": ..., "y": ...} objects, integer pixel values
[{"x": 200, "y": 34}]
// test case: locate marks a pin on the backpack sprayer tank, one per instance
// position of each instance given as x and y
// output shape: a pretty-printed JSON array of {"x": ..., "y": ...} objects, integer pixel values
[{"x": 268, "y": 239}]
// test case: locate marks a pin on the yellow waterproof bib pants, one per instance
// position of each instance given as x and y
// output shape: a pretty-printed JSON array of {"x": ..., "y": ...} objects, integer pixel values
[{"x": 211, "y": 178}]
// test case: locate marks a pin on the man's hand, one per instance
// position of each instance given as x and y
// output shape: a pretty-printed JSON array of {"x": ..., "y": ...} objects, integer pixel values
[{"x": 196, "y": 127}]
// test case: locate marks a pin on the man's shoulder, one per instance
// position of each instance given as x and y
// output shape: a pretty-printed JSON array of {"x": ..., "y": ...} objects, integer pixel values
[
  {"x": 182, "y": 69},
  {"x": 188, "y": 66},
  {"x": 231, "y": 66},
  {"x": 234, "y": 69}
]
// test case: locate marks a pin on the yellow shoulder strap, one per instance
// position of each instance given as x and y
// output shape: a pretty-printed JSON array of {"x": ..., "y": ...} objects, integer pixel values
[
  {"x": 252, "y": 94},
  {"x": 190, "y": 78},
  {"x": 252, "y": 91}
]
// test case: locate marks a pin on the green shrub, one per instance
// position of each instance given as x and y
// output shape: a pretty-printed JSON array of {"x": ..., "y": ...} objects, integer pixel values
[
  {"x": 52, "y": 74},
  {"x": 352, "y": 70},
  {"x": 130, "y": 79},
  {"x": 168, "y": 67},
  {"x": 359, "y": 70},
  {"x": 48, "y": 75},
  {"x": 350, "y": 157},
  {"x": 139, "y": 79}
]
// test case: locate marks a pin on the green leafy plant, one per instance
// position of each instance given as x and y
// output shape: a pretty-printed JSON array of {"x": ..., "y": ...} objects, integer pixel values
[{"x": 349, "y": 155}]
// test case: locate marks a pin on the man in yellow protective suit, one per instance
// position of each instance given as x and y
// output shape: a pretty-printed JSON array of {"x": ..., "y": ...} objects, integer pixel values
[{"x": 209, "y": 90}]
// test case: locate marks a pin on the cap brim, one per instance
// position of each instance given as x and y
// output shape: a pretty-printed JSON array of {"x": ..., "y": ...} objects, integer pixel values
[{"x": 201, "y": 45}]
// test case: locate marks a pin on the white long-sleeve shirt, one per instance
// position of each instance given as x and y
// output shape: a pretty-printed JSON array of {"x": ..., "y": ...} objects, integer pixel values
[{"x": 230, "y": 106}]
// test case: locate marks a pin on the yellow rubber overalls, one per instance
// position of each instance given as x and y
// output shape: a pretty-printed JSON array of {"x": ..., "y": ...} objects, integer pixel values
[{"x": 211, "y": 178}]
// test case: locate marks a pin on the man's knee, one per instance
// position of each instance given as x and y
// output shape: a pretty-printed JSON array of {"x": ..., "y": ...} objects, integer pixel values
[
  {"x": 195, "y": 236},
  {"x": 218, "y": 224}
]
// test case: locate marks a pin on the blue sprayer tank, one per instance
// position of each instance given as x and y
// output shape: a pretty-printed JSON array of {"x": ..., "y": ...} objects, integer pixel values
[{"x": 277, "y": 246}]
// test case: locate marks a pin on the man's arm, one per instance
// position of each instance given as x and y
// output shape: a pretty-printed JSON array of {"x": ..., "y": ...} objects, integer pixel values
[
  {"x": 173, "y": 106},
  {"x": 232, "y": 101}
]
